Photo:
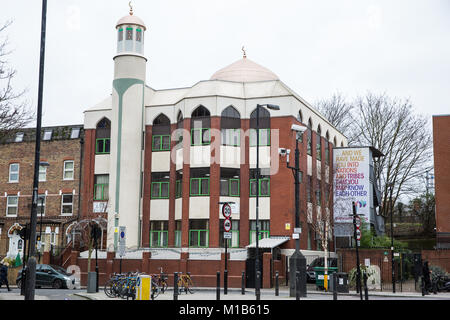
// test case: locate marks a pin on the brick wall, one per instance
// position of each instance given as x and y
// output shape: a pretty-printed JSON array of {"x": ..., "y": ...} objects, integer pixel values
[{"x": 441, "y": 144}]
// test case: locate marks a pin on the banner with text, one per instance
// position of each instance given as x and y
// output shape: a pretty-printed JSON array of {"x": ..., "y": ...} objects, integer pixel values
[{"x": 351, "y": 183}]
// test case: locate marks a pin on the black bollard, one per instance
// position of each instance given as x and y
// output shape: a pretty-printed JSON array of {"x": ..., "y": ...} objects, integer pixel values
[
  {"x": 243, "y": 283},
  {"x": 218, "y": 286},
  {"x": 366, "y": 290},
  {"x": 334, "y": 286},
  {"x": 258, "y": 284},
  {"x": 225, "y": 282},
  {"x": 297, "y": 285},
  {"x": 277, "y": 285},
  {"x": 175, "y": 286}
]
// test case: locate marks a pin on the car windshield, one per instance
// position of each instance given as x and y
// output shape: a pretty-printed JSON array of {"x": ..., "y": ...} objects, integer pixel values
[{"x": 60, "y": 270}]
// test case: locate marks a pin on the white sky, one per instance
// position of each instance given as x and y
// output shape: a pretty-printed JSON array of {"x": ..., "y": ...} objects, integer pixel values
[{"x": 399, "y": 47}]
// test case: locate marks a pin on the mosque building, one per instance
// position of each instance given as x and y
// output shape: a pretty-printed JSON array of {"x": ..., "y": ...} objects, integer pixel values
[{"x": 161, "y": 163}]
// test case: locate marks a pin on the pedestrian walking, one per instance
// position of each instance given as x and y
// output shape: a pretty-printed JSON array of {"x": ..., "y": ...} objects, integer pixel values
[
  {"x": 4, "y": 274},
  {"x": 426, "y": 273}
]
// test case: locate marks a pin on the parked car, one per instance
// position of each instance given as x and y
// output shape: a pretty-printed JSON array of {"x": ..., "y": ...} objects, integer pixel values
[
  {"x": 49, "y": 276},
  {"x": 318, "y": 262}
]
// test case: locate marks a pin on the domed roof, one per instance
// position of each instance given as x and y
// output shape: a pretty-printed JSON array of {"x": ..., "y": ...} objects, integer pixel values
[
  {"x": 131, "y": 19},
  {"x": 244, "y": 70}
]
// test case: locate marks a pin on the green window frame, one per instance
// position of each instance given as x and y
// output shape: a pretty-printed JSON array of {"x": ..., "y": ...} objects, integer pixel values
[
  {"x": 198, "y": 234},
  {"x": 178, "y": 189},
  {"x": 202, "y": 141},
  {"x": 99, "y": 191},
  {"x": 228, "y": 136},
  {"x": 159, "y": 194},
  {"x": 158, "y": 143},
  {"x": 264, "y": 141},
  {"x": 264, "y": 230},
  {"x": 159, "y": 239},
  {"x": 199, "y": 191},
  {"x": 261, "y": 181},
  {"x": 230, "y": 188},
  {"x": 103, "y": 146}
]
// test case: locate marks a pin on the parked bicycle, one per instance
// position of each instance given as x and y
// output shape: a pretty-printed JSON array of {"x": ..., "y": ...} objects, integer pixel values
[{"x": 185, "y": 284}]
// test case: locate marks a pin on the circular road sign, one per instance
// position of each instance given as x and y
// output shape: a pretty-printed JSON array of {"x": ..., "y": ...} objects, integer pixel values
[
  {"x": 358, "y": 222},
  {"x": 226, "y": 210},
  {"x": 227, "y": 225}
]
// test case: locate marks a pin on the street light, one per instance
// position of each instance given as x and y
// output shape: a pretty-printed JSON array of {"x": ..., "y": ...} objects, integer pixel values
[
  {"x": 297, "y": 261},
  {"x": 257, "y": 268},
  {"x": 391, "y": 188},
  {"x": 31, "y": 264}
]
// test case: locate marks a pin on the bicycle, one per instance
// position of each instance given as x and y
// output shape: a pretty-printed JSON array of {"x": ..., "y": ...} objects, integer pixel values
[
  {"x": 160, "y": 281},
  {"x": 185, "y": 283}
]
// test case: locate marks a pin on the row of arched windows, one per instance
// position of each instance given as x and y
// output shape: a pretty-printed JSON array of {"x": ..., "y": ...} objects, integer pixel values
[{"x": 200, "y": 130}]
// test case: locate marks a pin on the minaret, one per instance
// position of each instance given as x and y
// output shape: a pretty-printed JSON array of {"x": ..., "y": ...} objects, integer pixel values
[{"x": 127, "y": 131}]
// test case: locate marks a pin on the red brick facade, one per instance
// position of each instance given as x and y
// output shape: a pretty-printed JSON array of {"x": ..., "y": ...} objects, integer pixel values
[
  {"x": 441, "y": 144},
  {"x": 56, "y": 151}
]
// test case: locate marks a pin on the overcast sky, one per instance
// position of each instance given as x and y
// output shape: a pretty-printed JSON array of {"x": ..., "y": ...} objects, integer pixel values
[{"x": 399, "y": 47}]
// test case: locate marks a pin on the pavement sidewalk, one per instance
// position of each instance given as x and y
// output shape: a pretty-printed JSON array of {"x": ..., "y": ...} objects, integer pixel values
[{"x": 269, "y": 294}]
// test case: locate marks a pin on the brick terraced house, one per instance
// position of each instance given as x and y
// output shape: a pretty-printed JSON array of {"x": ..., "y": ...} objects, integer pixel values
[{"x": 59, "y": 186}]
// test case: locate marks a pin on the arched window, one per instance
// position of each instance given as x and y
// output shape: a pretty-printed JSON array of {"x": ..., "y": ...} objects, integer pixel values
[
  {"x": 319, "y": 143},
  {"x": 230, "y": 124},
  {"x": 309, "y": 142},
  {"x": 327, "y": 148},
  {"x": 335, "y": 142},
  {"x": 300, "y": 116},
  {"x": 264, "y": 127},
  {"x": 200, "y": 127},
  {"x": 103, "y": 137},
  {"x": 179, "y": 131},
  {"x": 161, "y": 133}
]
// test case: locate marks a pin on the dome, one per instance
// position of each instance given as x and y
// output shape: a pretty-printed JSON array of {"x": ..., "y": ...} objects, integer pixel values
[
  {"x": 244, "y": 70},
  {"x": 131, "y": 19}
]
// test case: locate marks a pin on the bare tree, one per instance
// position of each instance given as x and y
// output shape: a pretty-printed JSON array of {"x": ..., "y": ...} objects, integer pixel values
[
  {"x": 14, "y": 111},
  {"x": 391, "y": 126},
  {"x": 339, "y": 112}
]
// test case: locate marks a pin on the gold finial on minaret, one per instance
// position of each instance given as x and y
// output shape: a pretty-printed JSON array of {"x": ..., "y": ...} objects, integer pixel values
[
  {"x": 131, "y": 8},
  {"x": 245, "y": 54}
]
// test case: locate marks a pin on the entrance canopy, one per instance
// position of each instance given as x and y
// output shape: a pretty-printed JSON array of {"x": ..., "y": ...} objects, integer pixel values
[{"x": 269, "y": 243}]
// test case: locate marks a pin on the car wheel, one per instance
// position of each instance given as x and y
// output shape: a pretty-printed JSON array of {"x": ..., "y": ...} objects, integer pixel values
[
  {"x": 19, "y": 284},
  {"x": 57, "y": 284}
]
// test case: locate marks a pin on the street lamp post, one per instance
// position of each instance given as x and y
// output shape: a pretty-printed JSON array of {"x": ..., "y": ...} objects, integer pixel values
[
  {"x": 297, "y": 261},
  {"x": 391, "y": 187},
  {"x": 257, "y": 268},
  {"x": 31, "y": 264}
]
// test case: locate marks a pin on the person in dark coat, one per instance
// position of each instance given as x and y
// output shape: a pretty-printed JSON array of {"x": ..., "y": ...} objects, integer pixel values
[
  {"x": 426, "y": 277},
  {"x": 4, "y": 274}
]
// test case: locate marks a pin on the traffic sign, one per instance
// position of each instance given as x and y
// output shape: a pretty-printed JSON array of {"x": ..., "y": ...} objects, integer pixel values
[
  {"x": 227, "y": 235},
  {"x": 358, "y": 222},
  {"x": 122, "y": 240},
  {"x": 227, "y": 225},
  {"x": 226, "y": 210},
  {"x": 358, "y": 234}
]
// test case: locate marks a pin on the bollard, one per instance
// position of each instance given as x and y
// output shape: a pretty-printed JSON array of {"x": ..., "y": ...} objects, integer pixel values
[
  {"x": 334, "y": 286},
  {"x": 366, "y": 290},
  {"x": 297, "y": 285},
  {"x": 243, "y": 283},
  {"x": 175, "y": 286},
  {"x": 258, "y": 285},
  {"x": 218, "y": 286},
  {"x": 225, "y": 282},
  {"x": 277, "y": 286}
]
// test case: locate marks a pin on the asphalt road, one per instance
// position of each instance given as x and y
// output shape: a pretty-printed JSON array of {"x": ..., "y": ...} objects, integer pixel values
[{"x": 50, "y": 294}]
